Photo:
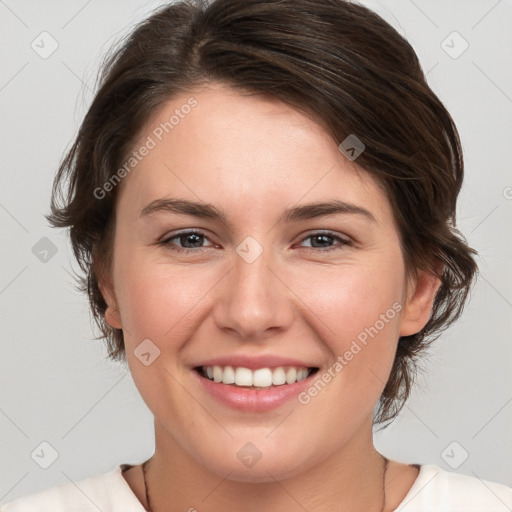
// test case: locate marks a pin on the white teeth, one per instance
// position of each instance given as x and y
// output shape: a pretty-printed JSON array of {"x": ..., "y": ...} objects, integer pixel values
[
  {"x": 262, "y": 378},
  {"x": 278, "y": 377},
  {"x": 259, "y": 378},
  {"x": 243, "y": 377},
  {"x": 291, "y": 375},
  {"x": 302, "y": 374},
  {"x": 217, "y": 374},
  {"x": 229, "y": 375}
]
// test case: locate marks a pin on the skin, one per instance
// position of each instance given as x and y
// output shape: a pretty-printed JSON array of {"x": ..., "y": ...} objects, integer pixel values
[{"x": 253, "y": 157}]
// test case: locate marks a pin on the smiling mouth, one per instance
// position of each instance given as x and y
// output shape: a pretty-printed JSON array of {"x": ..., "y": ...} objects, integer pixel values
[{"x": 260, "y": 378}]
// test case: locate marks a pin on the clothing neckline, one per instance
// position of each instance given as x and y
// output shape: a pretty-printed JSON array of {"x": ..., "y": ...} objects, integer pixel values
[{"x": 425, "y": 474}]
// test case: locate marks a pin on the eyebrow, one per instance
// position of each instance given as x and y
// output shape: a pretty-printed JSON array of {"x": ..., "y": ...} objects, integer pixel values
[{"x": 297, "y": 213}]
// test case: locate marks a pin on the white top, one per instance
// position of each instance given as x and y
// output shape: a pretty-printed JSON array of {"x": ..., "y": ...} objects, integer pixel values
[{"x": 434, "y": 490}]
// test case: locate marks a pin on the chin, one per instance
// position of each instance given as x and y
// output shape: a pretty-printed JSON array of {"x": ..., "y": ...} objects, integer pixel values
[{"x": 250, "y": 465}]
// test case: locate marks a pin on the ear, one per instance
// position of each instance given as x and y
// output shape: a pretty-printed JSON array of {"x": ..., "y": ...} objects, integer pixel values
[
  {"x": 420, "y": 298},
  {"x": 112, "y": 315}
]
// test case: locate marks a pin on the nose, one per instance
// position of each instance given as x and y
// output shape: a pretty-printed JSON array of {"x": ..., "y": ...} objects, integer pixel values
[{"x": 254, "y": 300}]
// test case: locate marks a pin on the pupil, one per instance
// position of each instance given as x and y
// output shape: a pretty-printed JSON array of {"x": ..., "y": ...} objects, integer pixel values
[
  {"x": 190, "y": 237},
  {"x": 324, "y": 237}
]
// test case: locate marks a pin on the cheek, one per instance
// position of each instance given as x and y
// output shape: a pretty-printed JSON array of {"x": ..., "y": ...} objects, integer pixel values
[
  {"x": 158, "y": 300},
  {"x": 356, "y": 309},
  {"x": 359, "y": 321},
  {"x": 350, "y": 299}
]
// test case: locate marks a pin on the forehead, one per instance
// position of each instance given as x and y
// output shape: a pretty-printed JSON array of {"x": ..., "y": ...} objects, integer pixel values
[{"x": 247, "y": 151}]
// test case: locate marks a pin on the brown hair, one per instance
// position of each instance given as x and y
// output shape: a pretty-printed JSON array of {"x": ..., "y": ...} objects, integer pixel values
[{"x": 334, "y": 60}]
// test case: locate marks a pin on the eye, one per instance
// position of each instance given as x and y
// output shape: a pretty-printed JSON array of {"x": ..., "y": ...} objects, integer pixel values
[
  {"x": 192, "y": 241},
  {"x": 186, "y": 238},
  {"x": 321, "y": 239}
]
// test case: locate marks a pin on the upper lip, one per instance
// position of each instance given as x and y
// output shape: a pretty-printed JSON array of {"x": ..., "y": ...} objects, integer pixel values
[{"x": 254, "y": 362}]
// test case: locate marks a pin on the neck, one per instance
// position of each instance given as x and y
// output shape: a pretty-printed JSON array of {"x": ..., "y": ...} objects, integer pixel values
[{"x": 350, "y": 479}]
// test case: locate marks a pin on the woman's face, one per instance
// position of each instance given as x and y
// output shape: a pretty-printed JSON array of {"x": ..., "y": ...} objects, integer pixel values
[{"x": 255, "y": 288}]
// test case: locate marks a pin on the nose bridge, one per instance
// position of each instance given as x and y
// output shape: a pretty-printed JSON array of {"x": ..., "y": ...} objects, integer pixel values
[{"x": 253, "y": 300}]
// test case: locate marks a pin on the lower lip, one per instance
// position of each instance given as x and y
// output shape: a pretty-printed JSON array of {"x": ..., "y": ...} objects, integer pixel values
[{"x": 253, "y": 400}]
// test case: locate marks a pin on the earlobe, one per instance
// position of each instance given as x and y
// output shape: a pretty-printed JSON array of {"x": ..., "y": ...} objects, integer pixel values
[
  {"x": 418, "y": 307},
  {"x": 113, "y": 318},
  {"x": 112, "y": 315}
]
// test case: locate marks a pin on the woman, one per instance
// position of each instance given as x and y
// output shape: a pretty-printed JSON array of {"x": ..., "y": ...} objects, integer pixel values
[{"x": 262, "y": 197}]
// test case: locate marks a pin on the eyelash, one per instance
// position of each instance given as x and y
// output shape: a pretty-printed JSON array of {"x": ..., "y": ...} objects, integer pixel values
[{"x": 172, "y": 247}]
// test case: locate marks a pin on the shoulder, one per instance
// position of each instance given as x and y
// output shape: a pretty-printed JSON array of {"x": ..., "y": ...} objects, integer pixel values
[
  {"x": 106, "y": 492},
  {"x": 444, "y": 491}
]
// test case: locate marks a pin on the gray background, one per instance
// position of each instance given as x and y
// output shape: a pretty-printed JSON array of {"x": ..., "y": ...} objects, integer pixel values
[{"x": 57, "y": 386}]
